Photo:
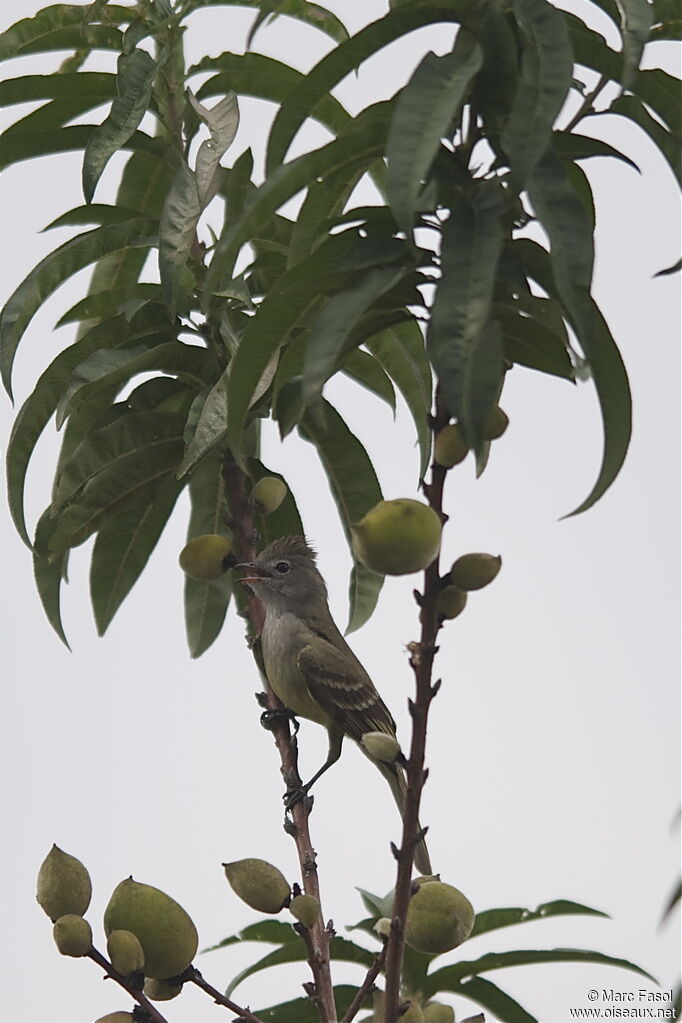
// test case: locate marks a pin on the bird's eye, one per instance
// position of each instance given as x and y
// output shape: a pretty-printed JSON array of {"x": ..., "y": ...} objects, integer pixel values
[{"x": 282, "y": 567}]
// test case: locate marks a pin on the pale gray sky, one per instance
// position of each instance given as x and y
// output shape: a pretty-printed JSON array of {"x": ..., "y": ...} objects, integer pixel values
[{"x": 554, "y": 743}]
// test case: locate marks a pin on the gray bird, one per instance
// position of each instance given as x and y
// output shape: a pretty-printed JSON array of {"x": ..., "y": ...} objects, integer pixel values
[{"x": 310, "y": 666}]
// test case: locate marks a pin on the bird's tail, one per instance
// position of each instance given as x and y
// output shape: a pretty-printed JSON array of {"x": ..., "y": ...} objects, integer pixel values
[{"x": 395, "y": 776}]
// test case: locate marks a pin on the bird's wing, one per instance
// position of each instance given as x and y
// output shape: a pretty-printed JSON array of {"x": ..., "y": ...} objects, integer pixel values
[{"x": 338, "y": 682}]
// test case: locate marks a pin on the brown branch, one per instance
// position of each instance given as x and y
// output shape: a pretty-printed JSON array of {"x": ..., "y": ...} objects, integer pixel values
[
  {"x": 367, "y": 986},
  {"x": 128, "y": 985},
  {"x": 193, "y": 976},
  {"x": 587, "y": 105},
  {"x": 421, "y": 660},
  {"x": 243, "y": 523}
]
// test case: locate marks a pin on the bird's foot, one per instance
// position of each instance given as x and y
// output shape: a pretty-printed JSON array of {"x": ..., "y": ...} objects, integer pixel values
[
  {"x": 295, "y": 795},
  {"x": 270, "y": 719}
]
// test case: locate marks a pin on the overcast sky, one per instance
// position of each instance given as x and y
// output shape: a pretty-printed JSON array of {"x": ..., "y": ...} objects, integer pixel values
[{"x": 554, "y": 742}]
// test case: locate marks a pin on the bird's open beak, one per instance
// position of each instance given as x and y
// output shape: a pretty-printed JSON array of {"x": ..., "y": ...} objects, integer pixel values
[{"x": 255, "y": 573}]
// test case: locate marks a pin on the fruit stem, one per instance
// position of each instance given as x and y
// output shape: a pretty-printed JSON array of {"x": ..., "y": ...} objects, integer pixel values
[
  {"x": 127, "y": 985},
  {"x": 243, "y": 513},
  {"x": 193, "y": 976},
  {"x": 422, "y": 655}
]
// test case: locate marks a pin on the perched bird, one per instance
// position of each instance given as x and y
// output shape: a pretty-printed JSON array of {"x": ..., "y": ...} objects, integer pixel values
[{"x": 310, "y": 666}]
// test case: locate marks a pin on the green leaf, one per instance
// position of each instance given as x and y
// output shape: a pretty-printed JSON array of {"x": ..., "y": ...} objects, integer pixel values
[
  {"x": 401, "y": 351},
  {"x": 112, "y": 302},
  {"x": 355, "y": 488},
  {"x": 464, "y": 347},
  {"x": 329, "y": 334},
  {"x": 529, "y": 342},
  {"x": 492, "y": 998},
  {"x": 424, "y": 114},
  {"x": 355, "y": 148},
  {"x": 95, "y": 86},
  {"x": 211, "y": 426},
  {"x": 49, "y": 574},
  {"x": 365, "y": 370},
  {"x": 314, "y": 15},
  {"x": 493, "y": 919},
  {"x": 675, "y": 268},
  {"x": 324, "y": 200},
  {"x": 303, "y": 1010},
  {"x": 25, "y": 145},
  {"x": 60, "y": 27},
  {"x": 667, "y": 142},
  {"x": 346, "y": 58},
  {"x": 546, "y": 75},
  {"x": 122, "y": 549},
  {"x": 636, "y": 21},
  {"x": 177, "y": 232},
  {"x": 571, "y": 146},
  {"x": 41, "y": 404},
  {"x": 288, "y": 303},
  {"x": 449, "y": 978},
  {"x": 590, "y": 48},
  {"x": 222, "y": 121},
  {"x": 206, "y": 603},
  {"x": 565, "y": 221},
  {"x": 134, "y": 82},
  {"x": 340, "y": 950},
  {"x": 53, "y": 270},
  {"x": 107, "y": 369}
]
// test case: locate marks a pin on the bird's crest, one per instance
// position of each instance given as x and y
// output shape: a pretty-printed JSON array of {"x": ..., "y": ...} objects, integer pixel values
[{"x": 286, "y": 546}]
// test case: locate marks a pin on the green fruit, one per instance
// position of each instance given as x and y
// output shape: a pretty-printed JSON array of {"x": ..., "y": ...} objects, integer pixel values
[
  {"x": 436, "y": 1012},
  {"x": 115, "y": 1017},
  {"x": 64, "y": 885},
  {"x": 268, "y": 494},
  {"x": 125, "y": 952},
  {"x": 207, "y": 557},
  {"x": 381, "y": 746},
  {"x": 450, "y": 602},
  {"x": 72, "y": 935},
  {"x": 258, "y": 884},
  {"x": 495, "y": 425},
  {"x": 449, "y": 447},
  {"x": 413, "y": 1012},
  {"x": 306, "y": 909},
  {"x": 162, "y": 990},
  {"x": 439, "y": 918},
  {"x": 397, "y": 537},
  {"x": 474, "y": 571},
  {"x": 166, "y": 932}
]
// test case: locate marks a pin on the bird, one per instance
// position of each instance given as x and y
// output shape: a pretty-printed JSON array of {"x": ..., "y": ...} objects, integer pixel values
[{"x": 310, "y": 666}]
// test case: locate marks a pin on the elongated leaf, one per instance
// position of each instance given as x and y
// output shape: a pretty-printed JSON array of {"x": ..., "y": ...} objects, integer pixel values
[
  {"x": 493, "y": 919},
  {"x": 53, "y": 270},
  {"x": 287, "y": 304},
  {"x": 400, "y": 349},
  {"x": 303, "y": 1010},
  {"x": 107, "y": 369},
  {"x": 492, "y": 998},
  {"x": 424, "y": 114},
  {"x": 667, "y": 142},
  {"x": 572, "y": 253},
  {"x": 134, "y": 82},
  {"x": 571, "y": 146},
  {"x": 341, "y": 950},
  {"x": 60, "y": 27},
  {"x": 546, "y": 75},
  {"x": 450, "y": 978},
  {"x": 128, "y": 301},
  {"x": 49, "y": 574},
  {"x": 591, "y": 49},
  {"x": 222, "y": 121},
  {"x": 496, "y": 83},
  {"x": 211, "y": 426},
  {"x": 177, "y": 232},
  {"x": 122, "y": 549},
  {"x": 531, "y": 343},
  {"x": 329, "y": 334},
  {"x": 355, "y": 488},
  {"x": 117, "y": 458},
  {"x": 675, "y": 268},
  {"x": 16, "y": 146},
  {"x": 367, "y": 371},
  {"x": 636, "y": 21},
  {"x": 98, "y": 86},
  {"x": 314, "y": 15},
  {"x": 464, "y": 348},
  {"x": 148, "y": 326},
  {"x": 347, "y": 57},
  {"x": 355, "y": 148},
  {"x": 323, "y": 201}
]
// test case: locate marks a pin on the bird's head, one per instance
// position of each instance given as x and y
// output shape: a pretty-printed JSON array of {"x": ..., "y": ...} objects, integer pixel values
[{"x": 285, "y": 575}]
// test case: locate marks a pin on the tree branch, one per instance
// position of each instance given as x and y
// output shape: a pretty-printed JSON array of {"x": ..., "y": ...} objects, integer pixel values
[
  {"x": 128, "y": 985},
  {"x": 367, "y": 986},
  {"x": 245, "y": 538},
  {"x": 193, "y": 976},
  {"x": 587, "y": 105},
  {"x": 421, "y": 660}
]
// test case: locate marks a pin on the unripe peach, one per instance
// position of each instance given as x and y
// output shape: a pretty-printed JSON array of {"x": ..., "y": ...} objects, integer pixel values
[
  {"x": 397, "y": 537},
  {"x": 64, "y": 885},
  {"x": 439, "y": 918},
  {"x": 474, "y": 571},
  {"x": 450, "y": 602},
  {"x": 268, "y": 494},
  {"x": 306, "y": 909},
  {"x": 207, "y": 557},
  {"x": 72, "y": 935},
  {"x": 165, "y": 931},
  {"x": 259, "y": 884},
  {"x": 449, "y": 447},
  {"x": 496, "y": 423}
]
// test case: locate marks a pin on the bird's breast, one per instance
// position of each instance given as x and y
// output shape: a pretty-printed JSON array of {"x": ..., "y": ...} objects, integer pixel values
[{"x": 282, "y": 639}]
